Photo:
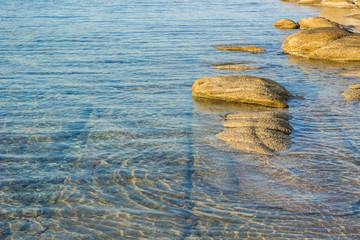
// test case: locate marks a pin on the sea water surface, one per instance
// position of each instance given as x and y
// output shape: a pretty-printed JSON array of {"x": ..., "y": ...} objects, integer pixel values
[{"x": 101, "y": 139}]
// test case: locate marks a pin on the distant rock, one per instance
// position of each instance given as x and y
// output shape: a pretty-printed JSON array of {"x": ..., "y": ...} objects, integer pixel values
[
  {"x": 286, "y": 24},
  {"x": 251, "y": 49},
  {"x": 257, "y": 132},
  {"x": 242, "y": 89},
  {"x": 332, "y": 43},
  {"x": 329, "y": 3},
  {"x": 234, "y": 67},
  {"x": 317, "y": 22}
]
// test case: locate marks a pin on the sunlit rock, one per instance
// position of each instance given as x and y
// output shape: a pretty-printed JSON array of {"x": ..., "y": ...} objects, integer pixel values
[
  {"x": 251, "y": 49},
  {"x": 257, "y": 132},
  {"x": 324, "y": 43},
  {"x": 317, "y": 22},
  {"x": 286, "y": 24},
  {"x": 243, "y": 89}
]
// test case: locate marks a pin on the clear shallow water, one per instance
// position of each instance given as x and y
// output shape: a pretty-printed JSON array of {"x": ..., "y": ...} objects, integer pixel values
[{"x": 101, "y": 139}]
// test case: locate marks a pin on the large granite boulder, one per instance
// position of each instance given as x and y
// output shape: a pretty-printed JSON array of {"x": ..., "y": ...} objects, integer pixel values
[
  {"x": 257, "y": 132},
  {"x": 329, "y": 3},
  {"x": 331, "y": 43},
  {"x": 242, "y": 89},
  {"x": 317, "y": 22}
]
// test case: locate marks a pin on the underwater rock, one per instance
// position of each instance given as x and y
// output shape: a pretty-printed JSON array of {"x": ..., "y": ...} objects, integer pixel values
[
  {"x": 251, "y": 49},
  {"x": 233, "y": 67},
  {"x": 257, "y": 132},
  {"x": 242, "y": 89},
  {"x": 324, "y": 43},
  {"x": 286, "y": 24},
  {"x": 317, "y": 22}
]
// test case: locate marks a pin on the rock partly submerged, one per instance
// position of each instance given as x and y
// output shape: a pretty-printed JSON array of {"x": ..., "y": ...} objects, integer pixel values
[
  {"x": 329, "y": 3},
  {"x": 240, "y": 48},
  {"x": 257, "y": 132},
  {"x": 286, "y": 24},
  {"x": 353, "y": 94},
  {"x": 332, "y": 43},
  {"x": 242, "y": 89},
  {"x": 233, "y": 67}
]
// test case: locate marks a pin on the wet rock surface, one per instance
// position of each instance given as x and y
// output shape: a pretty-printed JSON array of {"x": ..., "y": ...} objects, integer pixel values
[
  {"x": 244, "y": 89},
  {"x": 257, "y": 132}
]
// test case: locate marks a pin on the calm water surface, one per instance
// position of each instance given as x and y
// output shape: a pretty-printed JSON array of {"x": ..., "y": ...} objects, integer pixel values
[{"x": 101, "y": 138}]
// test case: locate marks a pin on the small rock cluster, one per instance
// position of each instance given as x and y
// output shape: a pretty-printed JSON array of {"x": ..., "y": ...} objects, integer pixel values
[
  {"x": 321, "y": 38},
  {"x": 267, "y": 132},
  {"x": 263, "y": 132},
  {"x": 306, "y": 23}
]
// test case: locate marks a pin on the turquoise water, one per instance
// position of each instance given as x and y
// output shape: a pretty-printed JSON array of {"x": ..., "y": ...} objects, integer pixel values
[{"x": 101, "y": 139}]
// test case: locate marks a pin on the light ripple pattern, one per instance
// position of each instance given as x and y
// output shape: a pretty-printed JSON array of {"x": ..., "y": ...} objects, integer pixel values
[{"x": 100, "y": 137}]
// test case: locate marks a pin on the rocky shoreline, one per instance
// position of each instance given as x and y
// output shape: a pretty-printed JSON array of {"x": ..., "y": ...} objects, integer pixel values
[
  {"x": 329, "y": 3},
  {"x": 268, "y": 132}
]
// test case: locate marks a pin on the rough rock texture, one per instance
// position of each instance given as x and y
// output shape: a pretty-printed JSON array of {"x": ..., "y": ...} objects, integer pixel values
[
  {"x": 243, "y": 89},
  {"x": 317, "y": 22},
  {"x": 286, "y": 24},
  {"x": 251, "y": 49},
  {"x": 353, "y": 95},
  {"x": 233, "y": 67},
  {"x": 329, "y": 3},
  {"x": 257, "y": 132},
  {"x": 324, "y": 43}
]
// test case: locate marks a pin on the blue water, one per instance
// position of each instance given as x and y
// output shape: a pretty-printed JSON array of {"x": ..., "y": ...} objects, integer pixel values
[{"x": 101, "y": 139}]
